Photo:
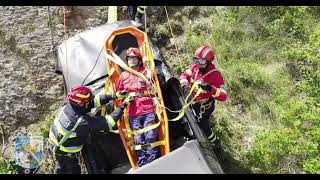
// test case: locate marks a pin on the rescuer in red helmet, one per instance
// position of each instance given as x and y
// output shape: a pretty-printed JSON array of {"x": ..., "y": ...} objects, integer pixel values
[
  {"x": 70, "y": 129},
  {"x": 204, "y": 73}
]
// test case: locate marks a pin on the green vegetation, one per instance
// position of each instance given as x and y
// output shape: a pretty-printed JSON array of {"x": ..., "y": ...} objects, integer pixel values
[
  {"x": 269, "y": 57},
  {"x": 40, "y": 129},
  {"x": 7, "y": 166}
]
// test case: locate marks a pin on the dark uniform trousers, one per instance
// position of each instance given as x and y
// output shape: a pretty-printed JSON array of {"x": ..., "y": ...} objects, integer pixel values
[
  {"x": 203, "y": 113},
  {"x": 67, "y": 165}
]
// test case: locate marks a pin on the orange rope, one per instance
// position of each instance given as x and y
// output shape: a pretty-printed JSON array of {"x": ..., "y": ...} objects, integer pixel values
[
  {"x": 64, "y": 20},
  {"x": 173, "y": 38}
]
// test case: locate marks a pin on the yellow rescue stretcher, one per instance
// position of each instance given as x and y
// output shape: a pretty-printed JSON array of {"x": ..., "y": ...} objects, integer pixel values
[{"x": 115, "y": 65}]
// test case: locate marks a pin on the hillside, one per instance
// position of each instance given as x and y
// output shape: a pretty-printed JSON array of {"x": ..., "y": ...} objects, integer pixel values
[{"x": 269, "y": 57}]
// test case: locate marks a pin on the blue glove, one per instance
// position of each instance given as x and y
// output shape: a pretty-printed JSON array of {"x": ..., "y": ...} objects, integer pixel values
[{"x": 206, "y": 87}]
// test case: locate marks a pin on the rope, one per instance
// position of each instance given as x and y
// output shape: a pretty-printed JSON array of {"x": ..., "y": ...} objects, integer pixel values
[
  {"x": 116, "y": 59},
  {"x": 150, "y": 81},
  {"x": 96, "y": 61},
  {"x": 2, "y": 135},
  {"x": 153, "y": 84},
  {"x": 145, "y": 22},
  {"x": 174, "y": 41},
  {"x": 50, "y": 28},
  {"x": 65, "y": 40}
]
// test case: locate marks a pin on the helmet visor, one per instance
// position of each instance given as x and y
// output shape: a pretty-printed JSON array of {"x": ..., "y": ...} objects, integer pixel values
[
  {"x": 133, "y": 52},
  {"x": 132, "y": 58}
]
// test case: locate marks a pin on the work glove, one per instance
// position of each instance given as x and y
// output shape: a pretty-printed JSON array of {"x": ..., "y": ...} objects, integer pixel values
[
  {"x": 124, "y": 9},
  {"x": 149, "y": 74},
  {"x": 128, "y": 99},
  {"x": 121, "y": 95},
  {"x": 206, "y": 87},
  {"x": 185, "y": 90}
]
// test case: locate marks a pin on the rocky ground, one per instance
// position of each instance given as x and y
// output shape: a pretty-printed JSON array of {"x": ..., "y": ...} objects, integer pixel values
[
  {"x": 30, "y": 90},
  {"x": 29, "y": 86}
]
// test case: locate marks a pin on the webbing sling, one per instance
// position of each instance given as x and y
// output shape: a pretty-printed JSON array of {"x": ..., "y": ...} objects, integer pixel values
[
  {"x": 151, "y": 65},
  {"x": 209, "y": 72},
  {"x": 200, "y": 90},
  {"x": 143, "y": 146},
  {"x": 181, "y": 112},
  {"x": 116, "y": 59},
  {"x": 119, "y": 62},
  {"x": 107, "y": 85},
  {"x": 103, "y": 107},
  {"x": 148, "y": 128}
]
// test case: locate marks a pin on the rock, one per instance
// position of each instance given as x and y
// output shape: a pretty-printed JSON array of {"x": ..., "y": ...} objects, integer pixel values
[
  {"x": 29, "y": 78},
  {"x": 36, "y": 45},
  {"x": 60, "y": 26},
  {"x": 9, "y": 23},
  {"x": 41, "y": 32},
  {"x": 17, "y": 16},
  {"x": 60, "y": 34}
]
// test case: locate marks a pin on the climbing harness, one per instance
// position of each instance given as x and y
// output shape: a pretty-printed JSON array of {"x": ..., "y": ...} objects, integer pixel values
[
  {"x": 203, "y": 107},
  {"x": 188, "y": 103}
]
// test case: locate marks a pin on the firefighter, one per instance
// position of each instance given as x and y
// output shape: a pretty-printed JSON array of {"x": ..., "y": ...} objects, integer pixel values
[
  {"x": 141, "y": 110},
  {"x": 71, "y": 127},
  {"x": 135, "y": 13},
  {"x": 204, "y": 73}
]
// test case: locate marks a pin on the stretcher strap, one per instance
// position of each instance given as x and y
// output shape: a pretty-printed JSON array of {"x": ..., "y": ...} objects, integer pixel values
[
  {"x": 117, "y": 60},
  {"x": 144, "y": 146},
  {"x": 181, "y": 112},
  {"x": 148, "y": 128}
]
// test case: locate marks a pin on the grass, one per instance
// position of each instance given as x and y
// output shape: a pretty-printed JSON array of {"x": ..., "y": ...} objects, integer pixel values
[
  {"x": 264, "y": 55},
  {"x": 42, "y": 129},
  {"x": 269, "y": 59}
]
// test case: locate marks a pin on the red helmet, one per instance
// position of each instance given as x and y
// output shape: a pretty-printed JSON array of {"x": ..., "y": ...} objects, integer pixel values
[
  {"x": 79, "y": 95},
  {"x": 133, "y": 52},
  {"x": 204, "y": 52}
]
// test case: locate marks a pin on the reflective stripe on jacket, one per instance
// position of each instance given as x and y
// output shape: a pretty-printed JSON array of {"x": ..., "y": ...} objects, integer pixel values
[
  {"x": 141, "y": 104},
  {"x": 141, "y": 9},
  {"x": 214, "y": 78},
  {"x": 62, "y": 126},
  {"x": 66, "y": 121}
]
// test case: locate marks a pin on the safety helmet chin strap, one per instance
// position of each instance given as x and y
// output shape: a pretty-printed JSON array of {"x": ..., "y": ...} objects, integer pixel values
[
  {"x": 86, "y": 108},
  {"x": 202, "y": 70}
]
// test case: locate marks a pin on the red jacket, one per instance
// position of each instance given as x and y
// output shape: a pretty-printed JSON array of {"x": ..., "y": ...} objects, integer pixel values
[
  {"x": 141, "y": 104},
  {"x": 214, "y": 78}
]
